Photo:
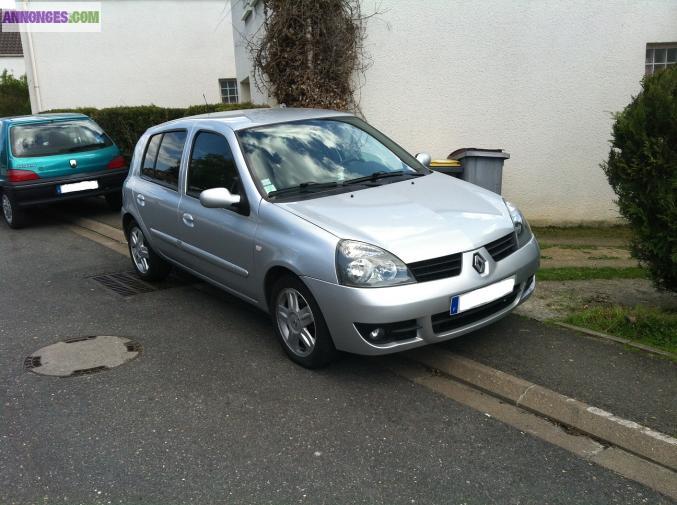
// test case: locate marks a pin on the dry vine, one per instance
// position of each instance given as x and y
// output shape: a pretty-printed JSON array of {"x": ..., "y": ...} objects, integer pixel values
[{"x": 310, "y": 53}]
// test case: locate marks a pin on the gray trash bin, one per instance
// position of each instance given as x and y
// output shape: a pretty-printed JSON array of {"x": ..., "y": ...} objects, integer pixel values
[{"x": 483, "y": 167}]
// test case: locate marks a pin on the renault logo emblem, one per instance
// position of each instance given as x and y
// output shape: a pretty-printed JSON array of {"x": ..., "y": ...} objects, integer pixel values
[
  {"x": 73, "y": 163},
  {"x": 479, "y": 263}
]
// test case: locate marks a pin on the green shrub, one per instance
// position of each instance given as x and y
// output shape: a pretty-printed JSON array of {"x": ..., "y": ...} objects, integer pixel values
[
  {"x": 125, "y": 125},
  {"x": 642, "y": 170},
  {"x": 14, "y": 99}
]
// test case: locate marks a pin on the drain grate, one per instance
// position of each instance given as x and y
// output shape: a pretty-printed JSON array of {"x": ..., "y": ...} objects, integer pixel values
[
  {"x": 124, "y": 283},
  {"x": 75, "y": 357},
  {"x": 129, "y": 284}
]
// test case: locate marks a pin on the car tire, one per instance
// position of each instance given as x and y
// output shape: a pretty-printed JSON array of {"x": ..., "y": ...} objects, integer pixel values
[
  {"x": 147, "y": 264},
  {"x": 299, "y": 324},
  {"x": 11, "y": 213},
  {"x": 114, "y": 201}
]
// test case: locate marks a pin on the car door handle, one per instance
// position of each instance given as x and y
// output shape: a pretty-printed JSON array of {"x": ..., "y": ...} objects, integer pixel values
[
  {"x": 188, "y": 220},
  {"x": 141, "y": 200}
]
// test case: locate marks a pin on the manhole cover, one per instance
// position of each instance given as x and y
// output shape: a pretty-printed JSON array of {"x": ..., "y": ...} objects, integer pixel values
[{"x": 82, "y": 356}]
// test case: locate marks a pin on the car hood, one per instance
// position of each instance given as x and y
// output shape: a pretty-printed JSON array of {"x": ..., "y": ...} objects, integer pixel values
[{"x": 414, "y": 219}]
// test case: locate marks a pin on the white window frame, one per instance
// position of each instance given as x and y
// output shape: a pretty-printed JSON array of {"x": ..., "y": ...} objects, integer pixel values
[
  {"x": 651, "y": 65},
  {"x": 229, "y": 91}
]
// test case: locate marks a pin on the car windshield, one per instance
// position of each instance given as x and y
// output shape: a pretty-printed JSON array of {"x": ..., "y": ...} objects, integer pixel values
[
  {"x": 46, "y": 139},
  {"x": 322, "y": 153}
]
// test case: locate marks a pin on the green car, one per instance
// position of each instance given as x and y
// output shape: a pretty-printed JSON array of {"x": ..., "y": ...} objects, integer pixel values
[{"x": 49, "y": 158}]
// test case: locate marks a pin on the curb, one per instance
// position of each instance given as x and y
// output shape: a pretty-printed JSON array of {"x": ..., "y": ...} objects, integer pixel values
[
  {"x": 614, "y": 338},
  {"x": 97, "y": 227},
  {"x": 602, "y": 425}
]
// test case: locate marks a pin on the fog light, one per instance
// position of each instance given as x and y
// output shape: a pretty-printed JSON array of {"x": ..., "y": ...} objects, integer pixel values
[
  {"x": 377, "y": 333},
  {"x": 384, "y": 333}
]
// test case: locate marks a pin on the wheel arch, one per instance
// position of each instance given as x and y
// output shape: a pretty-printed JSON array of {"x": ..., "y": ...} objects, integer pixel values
[
  {"x": 127, "y": 220},
  {"x": 273, "y": 274}
]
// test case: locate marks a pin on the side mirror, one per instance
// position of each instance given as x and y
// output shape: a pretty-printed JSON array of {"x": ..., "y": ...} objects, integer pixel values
[
  {"x": 218, "y": 198},
  {"x": 424, "y": 159}
]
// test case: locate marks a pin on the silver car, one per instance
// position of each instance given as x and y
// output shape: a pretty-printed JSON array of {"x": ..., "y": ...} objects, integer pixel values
[{"x": 348, "y": 241}]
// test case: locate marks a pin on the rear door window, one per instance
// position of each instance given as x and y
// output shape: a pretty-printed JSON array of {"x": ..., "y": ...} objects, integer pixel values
[
  {"x": 60, "y": 137},
  {"x": 211, "y": 165},
  {"x": 162, "y": 160}
]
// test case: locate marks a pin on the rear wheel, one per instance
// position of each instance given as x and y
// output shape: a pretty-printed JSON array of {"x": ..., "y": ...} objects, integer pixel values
[
  {"x": 114, "y": 201},
  {"x": 300, "y": 325},
  {"x": 148, "y": 265},
  {"x": 12, "y": 214}
]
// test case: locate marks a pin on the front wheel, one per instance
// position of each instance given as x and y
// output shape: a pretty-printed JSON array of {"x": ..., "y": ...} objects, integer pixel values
[
  {"x": 13, "y": 215},
  {"x": 148, "y": 265},
  {"x": 300, "y": 325}
]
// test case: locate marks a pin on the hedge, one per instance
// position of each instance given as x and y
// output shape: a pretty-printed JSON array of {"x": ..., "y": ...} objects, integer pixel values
[
  {"x": 14, "y": 100},
  {"x": 125, "y": 125},
  {"x": 642, "y": 170}
]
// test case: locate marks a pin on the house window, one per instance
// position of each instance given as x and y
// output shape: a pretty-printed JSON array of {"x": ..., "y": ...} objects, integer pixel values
[
  {"x": 228, "y": 90},
  {"x": 659, "y": 56}
]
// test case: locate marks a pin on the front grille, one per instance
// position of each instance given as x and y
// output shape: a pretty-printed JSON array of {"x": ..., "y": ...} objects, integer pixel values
[
  {"x": 437, "y": 268},
  {"x": 445, "y": 322},
  {"x": 502, "y": 247}
]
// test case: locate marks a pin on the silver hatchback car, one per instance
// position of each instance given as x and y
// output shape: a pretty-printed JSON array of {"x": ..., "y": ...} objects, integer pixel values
[{"x": 348, "y": 241}]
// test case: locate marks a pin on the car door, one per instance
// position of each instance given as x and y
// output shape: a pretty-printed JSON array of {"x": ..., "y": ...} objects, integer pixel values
[
  {"x": 156, "y": 190},
  {"x": 218, "y": 243}
]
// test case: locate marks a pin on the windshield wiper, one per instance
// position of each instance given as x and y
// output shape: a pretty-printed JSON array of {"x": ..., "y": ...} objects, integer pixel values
[
  {"x": 304, "y": 187},
  {"x": 381, "y": 175}
]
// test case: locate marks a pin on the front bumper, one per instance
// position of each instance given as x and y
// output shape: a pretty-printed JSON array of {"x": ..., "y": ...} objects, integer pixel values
[
  {"x": 43, "y": 191},
  {"x": 426, "y": 302}
]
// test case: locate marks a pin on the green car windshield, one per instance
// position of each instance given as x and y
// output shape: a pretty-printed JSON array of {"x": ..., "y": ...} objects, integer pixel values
[
  {"x": 321, "y": 151},
  {"x": 62, "y": 137}
]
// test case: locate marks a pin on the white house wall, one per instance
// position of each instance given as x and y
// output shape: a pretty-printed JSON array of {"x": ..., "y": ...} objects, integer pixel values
[
  {"x": 13, "y": 64},
  {"x": 161, "y": 52},
  {"x": 539, "y": 79}
]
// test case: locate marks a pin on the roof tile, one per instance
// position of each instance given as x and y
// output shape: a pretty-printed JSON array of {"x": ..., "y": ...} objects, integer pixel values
[{"x": 10, "y": 43}]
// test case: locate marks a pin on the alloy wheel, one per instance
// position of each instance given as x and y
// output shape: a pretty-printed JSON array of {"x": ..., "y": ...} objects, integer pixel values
[
  {"x": 139, "y": 250},
  {"x": 296, "y": 322}
]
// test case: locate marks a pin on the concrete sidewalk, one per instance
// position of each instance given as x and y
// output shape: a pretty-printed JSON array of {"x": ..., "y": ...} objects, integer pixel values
[{"x": 632, "y": 384}]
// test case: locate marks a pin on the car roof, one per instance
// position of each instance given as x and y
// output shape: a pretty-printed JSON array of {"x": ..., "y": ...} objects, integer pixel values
[
  {"x": 39, "y": 118},
  {"x": 248, "y": 118}
]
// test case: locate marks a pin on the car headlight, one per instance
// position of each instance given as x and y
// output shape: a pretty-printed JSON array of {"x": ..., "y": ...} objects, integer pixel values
[
  {"x": 519, "y": 222},
  {"x": 364, "y": 265}
]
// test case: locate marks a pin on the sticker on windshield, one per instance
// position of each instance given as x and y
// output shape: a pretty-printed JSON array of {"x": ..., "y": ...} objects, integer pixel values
[{"x": 268, "y": 186}]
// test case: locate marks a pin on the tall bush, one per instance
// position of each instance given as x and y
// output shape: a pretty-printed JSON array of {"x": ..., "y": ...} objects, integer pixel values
[
  {"x": 310, "y": 53},
  {"x": 642, "y": 170},
  {"x": 14, "y": 99},
  {"x": 126, "y": 124}
]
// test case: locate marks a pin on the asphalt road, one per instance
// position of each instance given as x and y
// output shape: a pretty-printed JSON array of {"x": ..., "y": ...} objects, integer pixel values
[{"x": 213, "y": 412}]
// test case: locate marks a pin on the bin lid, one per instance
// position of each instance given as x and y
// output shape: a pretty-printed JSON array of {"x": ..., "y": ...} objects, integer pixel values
[
  {"x": 467, "y": 152},
  {"x": 445, "y": 163}
]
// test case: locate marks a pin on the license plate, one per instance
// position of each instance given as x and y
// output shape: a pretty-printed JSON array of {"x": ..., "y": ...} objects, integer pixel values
[
  {"x": 77, "y": 186},
  {"x": 472, "y": 299}
]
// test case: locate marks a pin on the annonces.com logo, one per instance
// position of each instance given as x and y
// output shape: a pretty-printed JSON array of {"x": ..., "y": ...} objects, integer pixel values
[{"x": 51, "y": 17}]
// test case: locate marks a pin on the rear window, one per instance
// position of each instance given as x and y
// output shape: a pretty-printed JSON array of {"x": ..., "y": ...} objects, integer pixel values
[{"x": 62, "y": 137}]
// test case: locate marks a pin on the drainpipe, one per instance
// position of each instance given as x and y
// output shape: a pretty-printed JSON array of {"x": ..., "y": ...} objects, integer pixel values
[{"x": 34, "y": 70}]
